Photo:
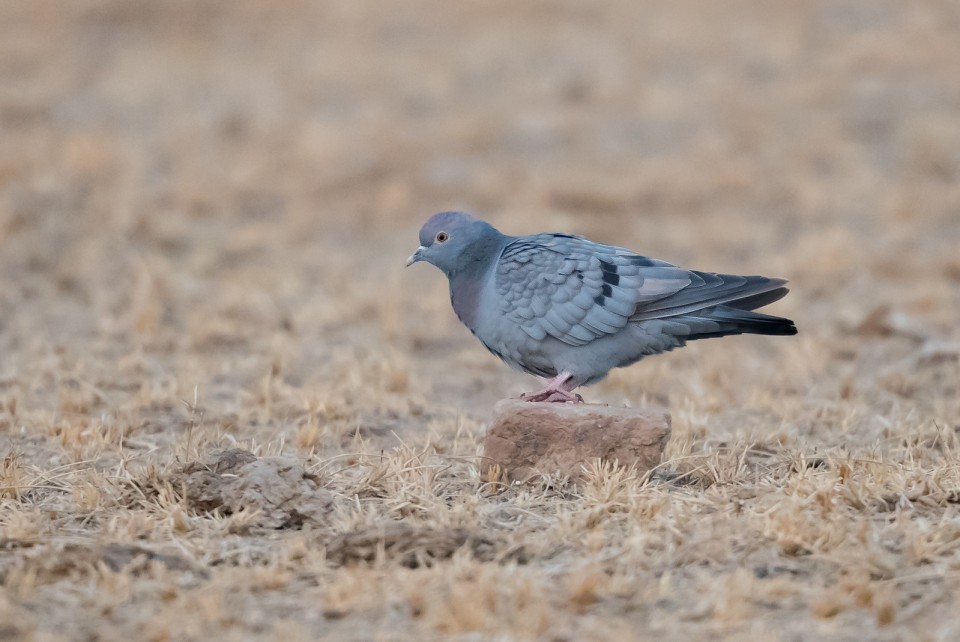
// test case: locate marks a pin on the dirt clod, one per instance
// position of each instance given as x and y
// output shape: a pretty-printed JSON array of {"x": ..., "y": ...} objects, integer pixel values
[
  {"x": 277, "y": 490},
  {"x": 414, "y": 546}
]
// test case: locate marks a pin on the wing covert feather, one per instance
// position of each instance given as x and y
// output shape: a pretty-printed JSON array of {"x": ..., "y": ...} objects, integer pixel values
[{"x": 576, "y": 291}]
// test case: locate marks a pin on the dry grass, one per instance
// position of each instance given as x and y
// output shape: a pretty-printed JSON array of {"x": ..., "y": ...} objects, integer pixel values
[{"x": 205, "y": 208}]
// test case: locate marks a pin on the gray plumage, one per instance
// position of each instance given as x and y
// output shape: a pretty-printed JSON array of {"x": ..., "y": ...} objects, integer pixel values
[{"x": 554, "y": 303}]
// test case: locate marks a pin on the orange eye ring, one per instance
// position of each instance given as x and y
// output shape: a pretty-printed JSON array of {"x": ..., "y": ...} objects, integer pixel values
[{"x": 442, "y": 237}]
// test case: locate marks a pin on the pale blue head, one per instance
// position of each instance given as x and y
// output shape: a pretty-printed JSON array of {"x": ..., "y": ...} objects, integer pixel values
[{"x": 454, "y": 241}]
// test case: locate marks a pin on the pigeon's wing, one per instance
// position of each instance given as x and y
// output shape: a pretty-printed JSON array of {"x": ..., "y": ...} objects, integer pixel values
[{"x": 574, "y": 290}]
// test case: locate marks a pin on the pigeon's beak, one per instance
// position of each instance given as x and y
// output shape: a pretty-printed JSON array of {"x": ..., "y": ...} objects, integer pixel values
[{"x": 416, "y": 257}]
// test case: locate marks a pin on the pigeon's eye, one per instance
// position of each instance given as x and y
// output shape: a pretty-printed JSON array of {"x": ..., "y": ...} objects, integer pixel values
[{"x": 442, "y": 237}]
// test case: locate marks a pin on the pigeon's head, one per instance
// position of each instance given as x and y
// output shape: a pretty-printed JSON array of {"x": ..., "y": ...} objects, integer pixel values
[{"x": 453, "y": 241}]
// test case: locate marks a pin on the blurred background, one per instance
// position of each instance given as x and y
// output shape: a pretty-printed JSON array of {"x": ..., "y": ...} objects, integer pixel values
[{"x": 205, "y": 194}]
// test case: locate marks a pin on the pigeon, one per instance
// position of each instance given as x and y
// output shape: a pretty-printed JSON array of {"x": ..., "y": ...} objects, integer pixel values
[{"x": 567, "y": 309}]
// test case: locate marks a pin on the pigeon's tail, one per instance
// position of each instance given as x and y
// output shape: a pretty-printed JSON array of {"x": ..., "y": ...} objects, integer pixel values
[{"x": 731, "y": 318}]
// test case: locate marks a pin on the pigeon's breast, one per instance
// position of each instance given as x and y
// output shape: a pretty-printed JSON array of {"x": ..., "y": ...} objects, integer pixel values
[
  {"x": 478, "y": 306},
  {"x": 465, "y": 299}
]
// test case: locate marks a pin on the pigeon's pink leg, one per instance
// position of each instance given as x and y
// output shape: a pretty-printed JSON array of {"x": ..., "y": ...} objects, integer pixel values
[{"x": 557, "y": 389}]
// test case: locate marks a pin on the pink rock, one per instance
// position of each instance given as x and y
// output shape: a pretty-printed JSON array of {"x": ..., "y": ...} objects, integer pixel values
[{"x": 529, "y": 438}]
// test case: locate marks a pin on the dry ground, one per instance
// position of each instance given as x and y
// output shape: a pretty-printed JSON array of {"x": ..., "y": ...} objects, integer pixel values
[{"x": 205, "y": 208}]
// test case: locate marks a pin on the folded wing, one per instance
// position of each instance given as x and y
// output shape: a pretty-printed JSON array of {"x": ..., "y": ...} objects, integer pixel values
[{"x": 576, "y": 291}]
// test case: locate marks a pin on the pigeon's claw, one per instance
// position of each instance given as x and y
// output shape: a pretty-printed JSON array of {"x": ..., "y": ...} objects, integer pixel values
[{"x": 556, "y": 390}]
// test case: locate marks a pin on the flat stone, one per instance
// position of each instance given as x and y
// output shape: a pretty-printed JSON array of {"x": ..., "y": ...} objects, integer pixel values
[{"x": 529, "y": 438}]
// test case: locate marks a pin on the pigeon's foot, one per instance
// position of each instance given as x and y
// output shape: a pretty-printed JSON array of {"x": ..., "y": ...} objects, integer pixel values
[
  {"x": 557, "y": 390},
  {"x": 563, "y": 396}
]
